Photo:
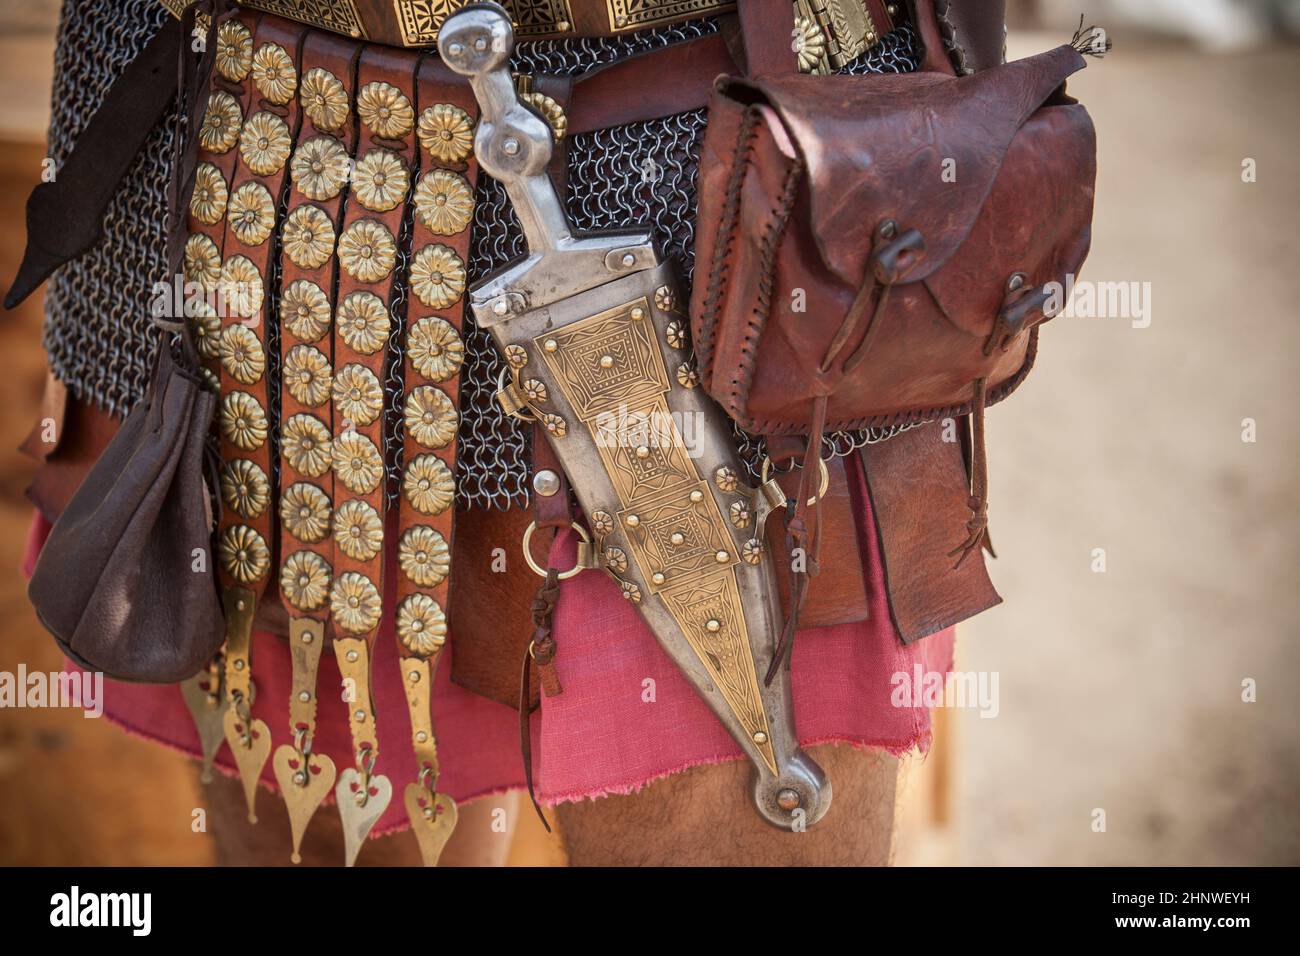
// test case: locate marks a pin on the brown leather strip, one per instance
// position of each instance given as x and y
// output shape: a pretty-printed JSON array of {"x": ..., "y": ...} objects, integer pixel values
[
  {"x": 555, "y": 510},
  {"x": 367, "y": 253},
  {"x": 433, "y": 352},
  {"x": 634, "y": 90},
  {"x": 228, "y": 107},
  {"x": 306, "y": 348},
  {"x": 919, "y": 493}
]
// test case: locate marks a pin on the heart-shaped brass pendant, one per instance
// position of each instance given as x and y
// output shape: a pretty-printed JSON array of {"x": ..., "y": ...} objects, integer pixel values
[
  {"x": 304, "y": 781},
  {"x": 251, "y": 745},
  {"x": 359, "y": 817},
  {"x": 433, "y": 818},
  {"x": 207, "y": 707}
]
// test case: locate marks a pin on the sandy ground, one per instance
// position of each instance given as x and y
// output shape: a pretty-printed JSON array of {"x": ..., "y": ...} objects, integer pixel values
[
  {"x": 1119, "y": 691},
  {"x": 1122, "y": 691}
]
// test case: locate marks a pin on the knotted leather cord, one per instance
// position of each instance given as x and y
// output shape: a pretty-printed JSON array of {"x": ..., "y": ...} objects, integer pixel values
[
  {"x": 977, "y": 526},
  {"x": 803, "y": 513},
  {"x": 543, "y": 644}
]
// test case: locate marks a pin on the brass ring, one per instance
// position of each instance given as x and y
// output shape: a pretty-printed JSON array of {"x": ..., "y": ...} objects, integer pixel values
[
  {"x": 578, "y": 566},
  {"x": 821, "y": 492}
]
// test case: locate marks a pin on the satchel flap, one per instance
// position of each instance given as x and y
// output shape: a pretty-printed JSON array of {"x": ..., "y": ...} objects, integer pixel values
[{"x": 922, "y": 149}]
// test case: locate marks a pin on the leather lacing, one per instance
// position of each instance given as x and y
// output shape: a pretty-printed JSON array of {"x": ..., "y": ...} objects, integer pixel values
[
  {"x": 895, "y": 252},
  {"x": 977, "y": 528},
  {"x": 541, "y": 650}
]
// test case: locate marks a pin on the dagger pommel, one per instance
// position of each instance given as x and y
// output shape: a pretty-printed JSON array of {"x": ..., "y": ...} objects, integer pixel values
[{"x": 513, "y": 144}]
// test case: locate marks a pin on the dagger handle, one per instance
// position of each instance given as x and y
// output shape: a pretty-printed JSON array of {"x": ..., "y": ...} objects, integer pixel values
[{"x": 513, "y": 144}]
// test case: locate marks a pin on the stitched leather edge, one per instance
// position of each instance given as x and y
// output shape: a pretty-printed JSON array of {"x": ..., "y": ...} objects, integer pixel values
[
  {"x": 739, "y": 393},
  {"x": 720, "y": 266}
]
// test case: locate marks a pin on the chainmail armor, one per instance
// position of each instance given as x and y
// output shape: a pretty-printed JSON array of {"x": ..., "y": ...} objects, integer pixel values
[{"x": 98, "y": 332}]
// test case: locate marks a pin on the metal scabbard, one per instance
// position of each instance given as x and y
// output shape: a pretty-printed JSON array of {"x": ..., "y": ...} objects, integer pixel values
[{"x": 595, "y": 332}]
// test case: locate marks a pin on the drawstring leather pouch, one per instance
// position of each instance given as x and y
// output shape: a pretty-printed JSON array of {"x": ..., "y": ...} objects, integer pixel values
[{"x": 125, "y": 581}]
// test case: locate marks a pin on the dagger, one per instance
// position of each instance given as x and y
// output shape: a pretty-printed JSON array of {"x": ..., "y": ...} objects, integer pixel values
[{"x": 594, "y": 330}]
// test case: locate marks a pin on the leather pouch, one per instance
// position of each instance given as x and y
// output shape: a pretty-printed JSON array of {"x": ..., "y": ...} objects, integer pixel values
[
  {"x": 876, "y": 244},
  {"x": 125, "y": 581}
]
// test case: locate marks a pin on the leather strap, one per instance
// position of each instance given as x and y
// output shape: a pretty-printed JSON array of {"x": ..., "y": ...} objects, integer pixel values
[
  {"x": 766, "y": 26},
  {"x": 65, "y": 216},
  {"x": 318, "y": 174},
  {"x": 244, "y": 542},
  {"x": 919, "y": 493},
  {"x": 633, "y": 90},
  {"x": 927, "y": 25},
  {"x": 433, "y": 353},
  {"x": 367, "y": 250}
]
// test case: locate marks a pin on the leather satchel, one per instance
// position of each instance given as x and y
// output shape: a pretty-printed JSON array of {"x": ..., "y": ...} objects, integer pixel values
[{"x": 874, "y": 250}]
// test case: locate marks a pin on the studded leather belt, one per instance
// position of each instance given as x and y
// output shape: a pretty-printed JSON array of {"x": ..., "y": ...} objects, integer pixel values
[
  {"x": 416, "y": 22},
  {"x": 830, "y": 32}
]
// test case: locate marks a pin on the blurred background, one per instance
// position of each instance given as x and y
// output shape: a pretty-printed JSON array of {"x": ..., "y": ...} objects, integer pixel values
[{"x": 1150, "y": 557}]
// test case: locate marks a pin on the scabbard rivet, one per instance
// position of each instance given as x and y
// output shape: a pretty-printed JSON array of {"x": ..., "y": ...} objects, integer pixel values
[
  {"x": 550, "y": 345},
  {"x": 546, "y": 483},
  {"x": 722, "y": 557},
  {"x": 300, "y": 778},
  {"x": 638, "y": 313},
  {"x": 632, "y": 520},
  {"x": 360, "y": 715},
  {"x": 787, "y": 799},
  {"x": 697, "y": 496},
  {"x": 713, "y": 625},
  {"x": 643, "y": 451},
  {"x": 760, "y": 738},
  {"x": 352, "y": 655},
  {"x": 677, "y": 538},
  {"x": 304, "y": 696},
  {"x": 413, "y": 677},
  {"x": 658, "y": 577},
  {"x": 607, "y": 361},
  {"x": 421, "y": 737},
  {"x": 239, "y": 665}
]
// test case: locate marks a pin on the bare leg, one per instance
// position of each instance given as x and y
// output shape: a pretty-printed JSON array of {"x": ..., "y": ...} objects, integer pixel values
[
  {"x": 479, "y": 839},
  {"x": 703, "y": 817}
]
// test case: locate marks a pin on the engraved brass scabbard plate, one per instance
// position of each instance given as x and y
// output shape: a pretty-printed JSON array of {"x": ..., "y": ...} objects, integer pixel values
[{"x": 594, "y": 330}]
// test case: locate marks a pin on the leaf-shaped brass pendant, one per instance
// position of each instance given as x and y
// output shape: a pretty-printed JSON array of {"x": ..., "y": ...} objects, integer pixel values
[
  {"x": 359, "y": 818},
  {"x": 304, "y": 782},
  {"x": 433, "y": 818},
  {"x": 251, "y": 746}
]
